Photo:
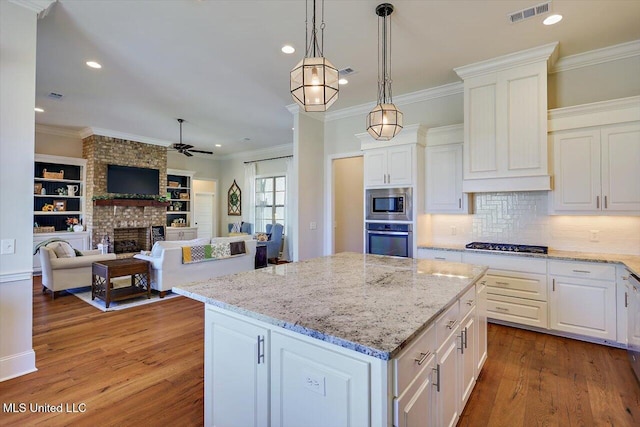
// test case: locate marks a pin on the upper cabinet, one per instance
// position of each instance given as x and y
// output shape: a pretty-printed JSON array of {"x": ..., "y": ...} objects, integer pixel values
[
  {"x": 444, "y": 171},
  {"x": 505, "y": 122},
  {"x": 395, "y": 163},
  {"x": 596, "y": 151}
]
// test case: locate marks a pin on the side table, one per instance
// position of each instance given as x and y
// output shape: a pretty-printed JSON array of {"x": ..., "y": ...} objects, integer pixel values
[
  {"x": 104, "y": 271},
  {"x": 261, "y": 255}
]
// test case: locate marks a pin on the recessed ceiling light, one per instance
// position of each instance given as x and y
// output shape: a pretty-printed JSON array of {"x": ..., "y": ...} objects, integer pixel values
[
  {"x": 218, "y": 145},
  {"x": 247, "y": 139},
  {"x": 39, "y": 110},
  {"x": 288, "y": 49},
  {"x": 93, "y": 64},
  {"x": 343, "y": 81},
  {"x": 552, "y": 19}
]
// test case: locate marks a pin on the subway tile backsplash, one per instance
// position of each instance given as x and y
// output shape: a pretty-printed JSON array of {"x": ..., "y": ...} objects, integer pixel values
[{"x": 521, "y": 217}]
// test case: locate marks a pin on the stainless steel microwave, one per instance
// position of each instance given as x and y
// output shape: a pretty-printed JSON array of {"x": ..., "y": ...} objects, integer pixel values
[{"x": 389, "y": 204}]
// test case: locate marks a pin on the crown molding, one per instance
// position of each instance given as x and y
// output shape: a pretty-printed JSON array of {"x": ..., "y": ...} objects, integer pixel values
[
  {"x": 41, "y": 7},
  {"x": 58, "y": 131},
  {"x": 269, "y": 151},
  {"x": 410, "y": 134},
  {"x": 594, "y": 114},
  {"x": 88, "y": 131},
  {"x": 400, "y": 100},
  {"x": 598, "y": 56}
]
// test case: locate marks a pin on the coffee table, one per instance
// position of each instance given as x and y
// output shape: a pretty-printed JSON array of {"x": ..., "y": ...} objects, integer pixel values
[{"x": 104, "y": 271}]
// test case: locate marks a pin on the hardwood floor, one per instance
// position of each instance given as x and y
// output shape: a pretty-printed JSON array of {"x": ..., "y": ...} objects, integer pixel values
[
  {"x": 543, "y": 380},
  {"x": 144, "y": 366}
]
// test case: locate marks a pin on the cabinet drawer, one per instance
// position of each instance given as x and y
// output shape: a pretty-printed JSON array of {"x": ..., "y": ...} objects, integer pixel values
[
  {"x": 522, "y": 285},
  {"x": 467, "y": 302},
  {"x": 451, "y": 256},
  {"x": 447, "y": 323},
  {"x": 517, "y": 310},
  {"x": 588, "y": 270},
  {"x": 412, "y": 359},
  {"x": 507, "y": 262}
]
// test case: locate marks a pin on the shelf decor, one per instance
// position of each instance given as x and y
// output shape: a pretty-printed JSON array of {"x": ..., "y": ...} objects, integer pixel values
[{"x": 234, "y": 196}]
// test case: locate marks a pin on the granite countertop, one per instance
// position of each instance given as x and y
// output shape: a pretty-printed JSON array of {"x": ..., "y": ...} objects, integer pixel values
[
  {"x": 368, "y": 303},
  {"x": 632, "y": 262}
]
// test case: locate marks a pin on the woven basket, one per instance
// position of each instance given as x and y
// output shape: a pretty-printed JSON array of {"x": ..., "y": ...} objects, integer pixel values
[
  {"x": 52, "y": 175},
  {"x": 184, "y": 196},
  {"x": 173, "y": 184},
  {"x": 50, "y": 229}
]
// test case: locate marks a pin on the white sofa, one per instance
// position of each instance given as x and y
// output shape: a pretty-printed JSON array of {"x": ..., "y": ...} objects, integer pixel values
[
  {"x": 60, "y": 274},
  {"x": 167, "y": 269}
]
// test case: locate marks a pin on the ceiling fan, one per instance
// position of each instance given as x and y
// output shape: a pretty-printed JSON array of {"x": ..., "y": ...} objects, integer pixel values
[{"x": 186, "y": 149}]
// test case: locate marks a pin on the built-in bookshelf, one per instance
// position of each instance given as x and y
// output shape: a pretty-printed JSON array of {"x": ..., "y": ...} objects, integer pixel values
[{"x": 179, "y": 193}]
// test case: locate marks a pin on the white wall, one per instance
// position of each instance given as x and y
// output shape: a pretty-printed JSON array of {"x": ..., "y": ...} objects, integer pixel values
[
  {"x": 57, "y": 142},
  {"x": 17, "y": 128},
  {"x": 348, "y": 178}
]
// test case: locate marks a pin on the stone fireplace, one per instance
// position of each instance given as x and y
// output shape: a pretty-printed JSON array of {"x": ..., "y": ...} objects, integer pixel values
[{"x": 126, "y": 221}]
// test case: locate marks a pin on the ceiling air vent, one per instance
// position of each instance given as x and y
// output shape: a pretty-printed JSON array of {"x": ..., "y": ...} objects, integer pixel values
[
  {"x": 347, "y": 71},
  {"x": 55, "y": 96},
  {"x": 529, "y": 12}
]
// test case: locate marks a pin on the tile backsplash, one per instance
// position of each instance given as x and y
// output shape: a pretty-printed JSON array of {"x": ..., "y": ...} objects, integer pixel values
[{"x": 522, "y": 217}]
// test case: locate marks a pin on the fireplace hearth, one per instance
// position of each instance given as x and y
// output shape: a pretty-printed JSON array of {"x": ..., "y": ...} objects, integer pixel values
[{"x": 130, "y": 240}]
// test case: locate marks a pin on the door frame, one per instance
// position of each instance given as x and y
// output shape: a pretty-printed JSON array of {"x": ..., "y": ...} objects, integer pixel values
[{"x": 329, "y": 199}]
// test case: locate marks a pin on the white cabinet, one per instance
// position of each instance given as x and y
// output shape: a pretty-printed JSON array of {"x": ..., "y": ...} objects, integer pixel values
[
  {"x": 179, "y": 192},
  {"x": 312, "y": 385},
  {"x": 583, "y": 299},
  {"x": 236, "y": 372},
  {"x": 505, "y": 122},
  {"x": 440, "y": 255},
  {"x": 415, "y": 407},
  {"x": 181, "y": 233},
  {"x": 481, "y": 311},
  {"x": 596, "y": 170},
  {"x": 623, "y": 288},
  {"x": 448, "y": 381},
  {"x": 444, "y": 180},
  {"x": 389, "y": 166}
]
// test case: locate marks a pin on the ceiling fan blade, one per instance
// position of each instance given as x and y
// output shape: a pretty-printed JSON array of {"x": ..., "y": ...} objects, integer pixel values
[
  {"x": 202, "y": 151},
  {"x": 186, "y": 153}
]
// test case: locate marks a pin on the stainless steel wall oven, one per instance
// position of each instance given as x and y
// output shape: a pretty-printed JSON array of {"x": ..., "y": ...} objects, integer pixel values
[{"x": 394, "y": 239}]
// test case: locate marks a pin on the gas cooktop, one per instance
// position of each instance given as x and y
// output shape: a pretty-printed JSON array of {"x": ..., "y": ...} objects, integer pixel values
[{"x": 507, "y": 247}]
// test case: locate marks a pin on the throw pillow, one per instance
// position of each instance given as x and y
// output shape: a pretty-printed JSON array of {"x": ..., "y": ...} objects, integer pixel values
[
  {"x": 62, "y": 249},
  {"x": 262, "y": 237},
  {"x": 236, "y": 227}
]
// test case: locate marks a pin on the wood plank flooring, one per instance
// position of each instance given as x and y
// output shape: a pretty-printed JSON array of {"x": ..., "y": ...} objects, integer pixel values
[{"x": 144, "y": 366}]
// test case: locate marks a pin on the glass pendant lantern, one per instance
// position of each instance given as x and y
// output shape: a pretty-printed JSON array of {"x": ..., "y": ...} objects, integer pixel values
[
  {"x": 385, "y": 120},
  {"x": 314, "y": 80}
]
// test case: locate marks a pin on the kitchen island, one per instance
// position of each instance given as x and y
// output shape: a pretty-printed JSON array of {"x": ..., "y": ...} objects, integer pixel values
[{"x": 348, "y": 339}]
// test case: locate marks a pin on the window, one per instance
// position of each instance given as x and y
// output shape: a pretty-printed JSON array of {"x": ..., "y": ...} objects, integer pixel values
[{"x": 270, "y": 202}]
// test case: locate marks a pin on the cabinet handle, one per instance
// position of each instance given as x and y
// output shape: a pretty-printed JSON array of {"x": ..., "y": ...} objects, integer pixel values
[
  {"x": 260, "y": 349},
  {"x": 470, "y": 302},
  {"x": 502, "y": 309},
  {"x": 597, "y": 202},
  {"x": 461, "y": 336},
  {"x": 553, "y": 285},
  {"x": 605, "y": 202},
  {"x": 626, "y": 300},
  {"x": 451, "y": 324},
  {"x": 459, "y": 203},
  {"x": 466, "y": 337},
  {"x": 502, "y": 283},
  {"x": 440, "y": 258},
  {"x": 437, "y": 384},
  {"x": 423, "y": 357},
  {"x": 582, "y": 271},
  {"x": 624, "y": 277}
]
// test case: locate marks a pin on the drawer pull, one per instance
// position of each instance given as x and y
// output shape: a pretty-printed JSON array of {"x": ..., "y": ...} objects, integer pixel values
[
  {"x": 423, "y": 357},
  {"x": 502, "y": 283},
  {"x": 451, "y": 324},
  {"x": 582, "y": 271},
  {"x": 440, "y": 258},
  {"x": 470, "y": 302},
  {"x": 502, "y": 309}
]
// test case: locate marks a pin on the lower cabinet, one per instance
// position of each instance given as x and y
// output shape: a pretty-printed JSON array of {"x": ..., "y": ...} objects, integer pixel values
[
  {"x": 182, "y": 233},
  {"x": 481, "y": 311},
  {"x": 583, "y": 299},
  {"x": 416, "y": 405},
  {"x": 236, "y": 372}
]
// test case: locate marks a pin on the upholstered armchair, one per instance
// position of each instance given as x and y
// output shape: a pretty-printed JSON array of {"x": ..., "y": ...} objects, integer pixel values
[{"x": 274, "y": 243}]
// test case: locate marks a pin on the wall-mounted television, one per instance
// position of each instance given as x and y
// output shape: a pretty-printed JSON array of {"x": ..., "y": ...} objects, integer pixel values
[{"x": 132, "y": 180}]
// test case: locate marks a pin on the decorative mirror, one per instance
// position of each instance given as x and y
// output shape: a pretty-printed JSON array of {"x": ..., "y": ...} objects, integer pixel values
[{"x": 234, "y": 196}]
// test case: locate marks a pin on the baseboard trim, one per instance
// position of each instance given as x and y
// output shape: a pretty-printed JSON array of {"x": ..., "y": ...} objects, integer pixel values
[{"x": 17, "y": 365}]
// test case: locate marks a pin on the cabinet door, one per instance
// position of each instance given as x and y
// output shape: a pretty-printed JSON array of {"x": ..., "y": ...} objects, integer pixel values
[
  {"x": 583, "y": 306},
  {"x": 621, "y": 168},
  {"x": 481, "y": 329},
  {"x": 399, "y": 163},
  {"x": 468, "y": 364},
  {"x": 444, "y": 179},
  {"x": 190, "y": 234},
  {"x": 480, "y": 153},
  {"x": 577, "y": 171},
  {"x": 415, "y": 407},
  {"x": 375, "y": 167},
  {"x": 447, "y": 400},
  {"x": 236, "y": 372},
  {"x": 315, "y": 386}
]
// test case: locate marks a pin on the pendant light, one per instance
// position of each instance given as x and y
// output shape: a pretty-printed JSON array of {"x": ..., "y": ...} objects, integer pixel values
[
  {"x": 385, "y": 120},
  {"x": 314, "y": 81}
]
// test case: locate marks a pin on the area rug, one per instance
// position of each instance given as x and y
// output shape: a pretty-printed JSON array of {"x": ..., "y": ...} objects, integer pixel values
[{"x": 85, "y": 295}]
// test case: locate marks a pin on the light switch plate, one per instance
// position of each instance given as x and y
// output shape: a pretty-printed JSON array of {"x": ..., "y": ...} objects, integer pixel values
[{"x": 8, "y": 246}]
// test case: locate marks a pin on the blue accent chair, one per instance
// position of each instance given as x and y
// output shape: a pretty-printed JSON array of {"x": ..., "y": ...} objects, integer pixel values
[{"x": 275, "y": 232}]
